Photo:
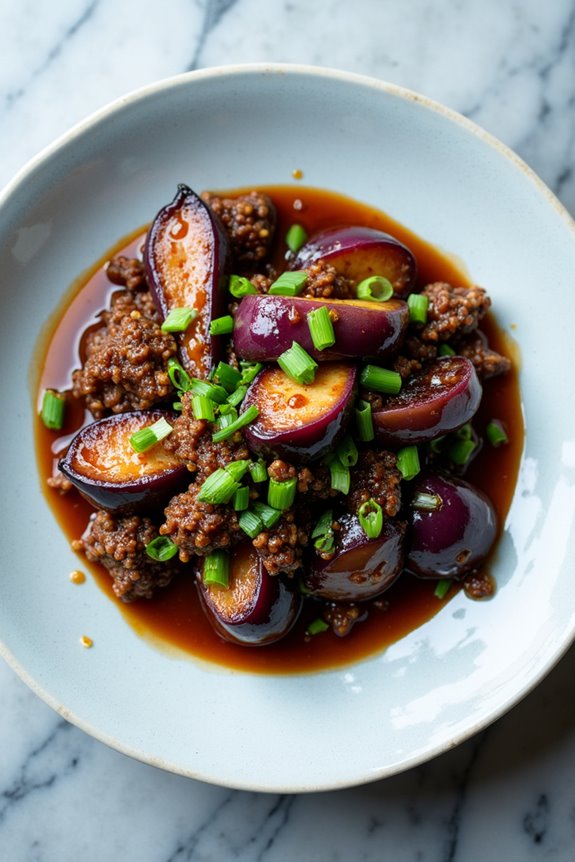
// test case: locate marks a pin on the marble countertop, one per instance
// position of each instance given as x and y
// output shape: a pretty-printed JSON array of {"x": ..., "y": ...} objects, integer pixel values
[{"x": 508, "y": 793}]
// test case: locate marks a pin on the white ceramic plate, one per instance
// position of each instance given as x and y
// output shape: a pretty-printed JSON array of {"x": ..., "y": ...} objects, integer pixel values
[{"x": 452, "y": 184}]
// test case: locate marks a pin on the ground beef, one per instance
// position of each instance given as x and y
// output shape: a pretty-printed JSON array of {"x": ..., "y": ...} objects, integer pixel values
[
  {"x": 315, "y": 481},
  {"x": 119, "y": 544},
  {"x": 414, "y": 354},
  {"x": 191, "y": 441},
  {"x": 324, "y": 282},
  {"x": 261, "y": 282},
  {"x": 60, "y": 483},
  {"x": 127, "y": 271},
  {"x": 281, "y": 471},
  {"x": 452, "y": 311},
  {"x": 199, "y": 528},
  {"x": 126, "y": 360},
  {"x": 249, "y": 221},
  {"x": 281, "y": 547},
  {"x": 342, "y": 617},
  {"x": 375, "y": 476},
  {"x": 479, "y": 585},
  {"x": 135, "y": 304},
  {"x": 487, "y": 362}
]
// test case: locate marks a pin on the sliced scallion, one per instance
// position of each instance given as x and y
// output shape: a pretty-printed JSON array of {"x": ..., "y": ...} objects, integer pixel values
[
  {"x": 281, "y": 494},
  {"x": 236, "y": 398},
  {"x": 241, "y": 500},
  {"x": 240, "y": 286},
  {"x": 340, "y": 476},
  {"x": 364, "y": 422},
  {"x": 218, "y": 488},
  {"x": 210, "y": 390},
  {"x": 295, "y": 238},
  {"x": 179, "y": 378},
  {"x": 249, "y": 371},
  {"x": 161, "y": 549},
  {"x": 370, "y": 516},
  {"x": 227, "y": 416},
  {"x": 347, "y": 451},
  {"x": 289, "y": 284},
  {"x": 408, "y": 462},
  {"x": 426, "y": 502},
  {"x": 217, "y": 569},
  {"x": 417, "y": 304},
  {"x": 267, "y": 514},
  {"x": 251, "y": 524},
  {"x": 321, "y": 327},
  {"x": 53, "y": 409},
  {"x": 227, "y": 376},
  {"x": 322, "y": 533},
  {"x": 376, "y": 287},
  {"x": 243, "y": 419},
  {"x": 445, "y": 350},
  {"x": 258, "y": 471},
  {"x": 179, "y": 319},
  {"x": 461, "y": 451},
  {"x": 496, "y": 433},
  {"x": 298, "y": 364},
  {"x": 222, "y": 325},
  {"x": 203, "y": 407},
  {"x": 380, "y": 380},
  {"x": 237, "y": 469},
  {"x": 316, "y": 627},
  {"x": 442, "y": 588},
  {"x": 145, "y": 438}
]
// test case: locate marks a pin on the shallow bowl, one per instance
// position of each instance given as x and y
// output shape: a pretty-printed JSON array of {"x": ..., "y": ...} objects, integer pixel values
[{"x": 454, "y": 185}]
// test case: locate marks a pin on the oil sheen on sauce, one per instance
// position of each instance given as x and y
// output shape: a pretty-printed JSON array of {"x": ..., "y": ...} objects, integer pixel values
[{"x": 173, "y": 618}]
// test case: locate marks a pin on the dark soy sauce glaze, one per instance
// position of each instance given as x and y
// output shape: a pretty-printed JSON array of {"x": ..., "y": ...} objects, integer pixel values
[{"x": 174, "y": 617}]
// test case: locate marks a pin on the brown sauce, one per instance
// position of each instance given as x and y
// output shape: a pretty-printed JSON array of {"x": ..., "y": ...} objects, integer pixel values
[{"x": 174, "y": 617}]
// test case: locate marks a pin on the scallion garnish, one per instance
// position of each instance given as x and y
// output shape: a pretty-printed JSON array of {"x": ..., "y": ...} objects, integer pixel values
[
  {"x": 217, "y": 569},
  {"x": 179, "y": 319},
  {"x": 442, "y": 588},
  {"x": 465, "y": 432},
  {"x": 268, "y": 516},
  {"x": 237, "y": 469},
  {"x": 249, "y": 371},
  {"x": 417, "y": 303},
  {"x": 380, "y": 380},
  {"x": 408, "y": 462},
  {"x": 321, "y": 327},
  {"x": 289, "y": 284},
  {"x": 281, "y": 494},
  {"x": 426, "y": 502},
  {"x": 161, "y": 549},
  {"x": 370, "y": 516},
  {"x": 218, "y": 488},
  {"x": 295, "y": 238},
  {"x": 251, "y": 524},
  {"x": 241, "y": 499},
  {"x": 496, "y": 433},
  {"x": 258, "y": 471},
  {"x": 364, "y": 422},
  {"x": 203, "y": 407},
  {"x": 317, "y": 627},
  {"x": 298, "y": 364},
  {"x": 445, "y": 350},
  {"x": 461, "y": 451},
  {"x": 179, "y": 378},
  {"x": 177, "y": 405},
  {"x": 376, "y": 287},
  {"x": 322, "y": 533},
  {"x": 228, "y": 415},
  {"x": 222, "y": 325},
  {"x": 340, "y": 475},
  {"x": 210, "y": 390},
  {"x": 240, "y": 286},
  {"x": 243, "y": 419},
  {"x": 227, "y": 376},
  {"x": 236, "y": 398},
  {"x": 347, "y": 451},
  {"x": 53, "y": 409},
  {"x": 145, "y": 438}
]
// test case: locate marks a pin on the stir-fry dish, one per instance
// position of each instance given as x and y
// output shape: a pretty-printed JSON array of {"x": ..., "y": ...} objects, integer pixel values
[{"x": 288, "y": 420}]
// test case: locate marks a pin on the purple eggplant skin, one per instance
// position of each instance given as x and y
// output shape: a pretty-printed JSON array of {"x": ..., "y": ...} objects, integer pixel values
[
  {"x": 440, "y": 398},
  {"x": 298, "y": 420},
  {"x": 187, "y": 259},
  {"x": 360, "y": 252},
  {"x": 266, "y": 326},
  {"x": 454, "y": 539},
  {"x": 361, "y": 568},
  {"x": 257, "y": 609},
  {"x": 105, "y": 469}
]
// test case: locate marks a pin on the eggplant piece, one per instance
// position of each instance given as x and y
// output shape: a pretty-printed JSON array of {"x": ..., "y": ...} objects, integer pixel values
[
  {"x": 440, "y": 398},
  {"x": 298, "y": 419},
  {"x": 257, "y": 608},
  {"x": 360, "y": 252},
  {"x": 187, "y": 258},
  {"x": 266, "y": 326},
  {"x": 104, "y": 467},
  {"x": 453, "y": 539},
  {"x": 361, "y": 568}
]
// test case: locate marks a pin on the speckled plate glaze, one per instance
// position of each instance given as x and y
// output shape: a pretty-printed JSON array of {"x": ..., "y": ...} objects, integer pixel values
[{"x": 454, "y": 185}]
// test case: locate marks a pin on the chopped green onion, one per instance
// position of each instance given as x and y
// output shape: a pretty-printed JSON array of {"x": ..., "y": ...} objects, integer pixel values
[
  {"x": 269, "y": 516},
  {"x": 347, "y": 451},
  {"x": 281, "y": 494},
  {"x": 323, "y": 525},
  {"x": 417, "y": 303},
  {"x": 325, "y": 544},
  {"x": 222, "y": 325},
  {"x": 442, "y": 588},
  {"x": 251, "y": 524},
  {"x": 380, "y": 380},
  {"x": 179, "y": 319},
  {"x": 323, "y": 533},
  {"x": 217, "y": 569},
  {"x": 465, "y": 432},
  {"x": 228, "y": 376},
  {"x": 258, "y": 471},
  {"x": 218, "y": 488},
  {"x": 210, "y": 390},
  {"x": 445, "y": 350},
  {"x": 241, "y": 498},
  {"x": 145, "y": 438},
  {"x": 340, "y": 476},
  {"x": 461, "y": 451},
  {"x": 364, "y": 422},
  {"x": 227, "y": 409},
  {"x": 243, "y": 419},
  {"x": 203, "y": 407},
  {"x": 249, "y": 371},
  {"x": 177, "y": 405},
  {"x": 298, "y": 364},
  {"x": 317, "y": 627},
  {"x": 289, "y": 284},
  {"x": 237, "y": 469},
  {"x": 236, "y": 398},
  {"x": 321, "y": 327},
  {"x": 53, "y": 408},
  {"x": 227, "y": 416},
  {"x": 376, "y": 287},
  {"x": 161, "y": 549},
  {"x": 179, "y": 378},
  {"x": 408, "y": 462},
  {"x": 438, "y": 444},
  {"x": 370, "y": 515},
  {"x": 496, "y": 433},
  {"x": 295, "y": 238},
  {"x": 427, "y": 502},
  {"x": 240, "y": 286}
]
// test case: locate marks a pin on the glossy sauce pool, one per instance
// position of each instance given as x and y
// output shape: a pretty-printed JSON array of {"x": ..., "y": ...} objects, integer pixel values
[{"x": 173, "y": 618}]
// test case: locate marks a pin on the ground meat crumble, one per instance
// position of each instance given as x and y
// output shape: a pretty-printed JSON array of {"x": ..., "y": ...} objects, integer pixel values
[
  {"x": 376, "y": 476},
  {"x": 198, "y": 528},
  {"x": 249, "y": 221}
]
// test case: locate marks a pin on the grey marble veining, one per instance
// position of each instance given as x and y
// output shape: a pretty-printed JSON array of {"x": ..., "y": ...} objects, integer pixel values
[{"x": 509, "y": 793}]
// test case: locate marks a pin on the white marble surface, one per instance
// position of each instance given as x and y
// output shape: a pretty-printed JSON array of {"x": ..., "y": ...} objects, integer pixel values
[{"x": 507, "y": 794}]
